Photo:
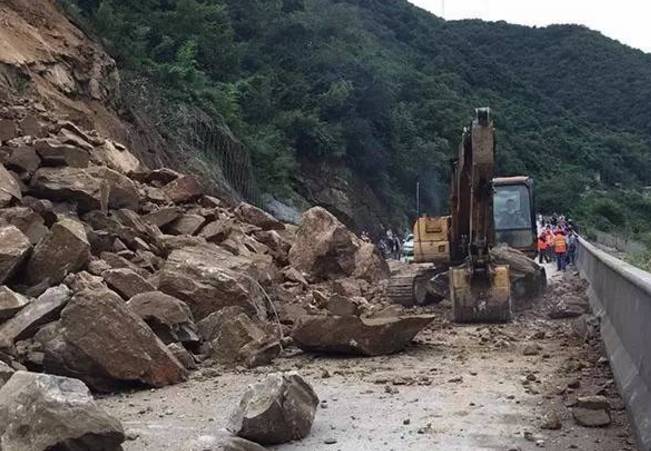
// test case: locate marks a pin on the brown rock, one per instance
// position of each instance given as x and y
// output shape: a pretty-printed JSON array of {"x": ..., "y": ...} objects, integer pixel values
[
  {"x": 592, "y": 411},
  {"x": 38, "y": 312},
  {"x": 55, "y": 413},
  {"x": 209, "y": 279},
  {"x": 55, "y": 153},
  {"x": 23, "y": 159},
  {"x": 5, "y": 373},
  {"x": 217, "y": 231},
  {"x": 64, "y": 250},
  {"x": 277, "y": 410},
  {"x": 253, "y": 215},
  {"x": 183, "y": 356},
  {"x": 10, "y": 303},
  {"x": 323, "y": 248},
  {"x": 8, "y": 130},
  {"x": 369, "y": 264},
  {"x": 169, "y": 318},
  {"x": 342, "y": 306},
  {"x": 236, "y": 338},
  {"x": 84, "y": 281},
  {"x": 160, "y": 176},
  {"x": 126, "y": 282},
  {"x": 9, "y": 188},
  {"x": 163, "y": 216},
  {"x": 31, "y": 126},
  {"x": 93, "y": 188},
  {"x": 27, "y": 220},
  {"x": 116, "y": 157},
  {"x": 100, "y": 341},
  {"x": 357, "y": 336},
  {"x": 185, "y": 225},
  {"x": 14, "y": 250},
  {"x": 183, "y": 189},
  {"x": 551, "y": 421}
]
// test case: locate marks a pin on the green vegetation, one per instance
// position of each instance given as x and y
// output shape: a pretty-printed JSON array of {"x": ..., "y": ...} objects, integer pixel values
[{"x": 384, "y": 88}]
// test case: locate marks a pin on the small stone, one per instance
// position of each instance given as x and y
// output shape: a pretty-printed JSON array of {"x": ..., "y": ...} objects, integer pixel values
[
  {"x": 330, "y": 441},
  {"x": 406, "y": 421}
]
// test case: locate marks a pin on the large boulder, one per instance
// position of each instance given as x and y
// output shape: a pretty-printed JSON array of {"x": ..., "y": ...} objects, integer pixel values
[
  {"x": 126, "y": 282},
  {"x": 116, "y": 157},
  {"x": 64, "y": 250},
  {"x": 357, "y": 336},
  {"x": 38, "y": 312},
  {"x": 54, "y": 153},
  {"x": 528, "y": 278},
  {"x": 9, "y": 188},
  {"x": 236, "y": 338},
  {"x": 169, "y": 318},
  {"x": 22, "y": 159},
  {"x": 10, "y": 302},
  {"x": 93, "y": 188},
  {"x": 43, "y": 412},
  {"x": 14, "y": 250},
  {"x": 279, "y": 409},
  {"x": 100, "y": 341},
  {"x": 183, "y": 189},
  {"x": 208, "y": 279},
  {"x": 257, "y": 217},
  {"x": 323, "y": 248},
  {"x": 370, "y": 265}
]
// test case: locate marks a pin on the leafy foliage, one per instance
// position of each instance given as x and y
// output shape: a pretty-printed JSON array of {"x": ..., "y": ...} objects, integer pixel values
[{"x": 385, "y": 87}]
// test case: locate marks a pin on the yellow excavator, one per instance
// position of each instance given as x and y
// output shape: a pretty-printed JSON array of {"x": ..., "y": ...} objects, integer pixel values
[{"x": 484, "y": 211}]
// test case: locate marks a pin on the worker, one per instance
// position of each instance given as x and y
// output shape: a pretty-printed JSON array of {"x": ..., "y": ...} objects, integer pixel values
[
  {"x": 572, "y": 240},
  {"x": 542, "y": 248},
  {"x": 560, "y": 249},
  {"x": 549, "y": 235}
]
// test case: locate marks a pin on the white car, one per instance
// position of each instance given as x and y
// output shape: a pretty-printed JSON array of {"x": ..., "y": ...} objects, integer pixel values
[{"x": 408, "y": 248}]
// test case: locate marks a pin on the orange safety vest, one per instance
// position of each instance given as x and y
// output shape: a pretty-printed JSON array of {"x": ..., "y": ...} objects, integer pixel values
[
  {"x": 560, "y": 245},
  {"x": 542, "y": 243}
]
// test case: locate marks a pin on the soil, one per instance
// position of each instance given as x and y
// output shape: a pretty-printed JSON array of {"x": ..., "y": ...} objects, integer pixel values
[{"x": 457, "y": 387}]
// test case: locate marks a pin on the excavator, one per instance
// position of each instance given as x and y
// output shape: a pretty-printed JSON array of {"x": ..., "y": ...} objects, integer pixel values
[{"x": 484, "y": 211}]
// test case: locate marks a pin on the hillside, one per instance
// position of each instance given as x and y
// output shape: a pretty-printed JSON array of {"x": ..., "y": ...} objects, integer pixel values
[{"x": 347, "y": 103}]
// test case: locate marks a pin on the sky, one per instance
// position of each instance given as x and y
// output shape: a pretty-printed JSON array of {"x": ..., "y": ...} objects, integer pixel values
[{"x": 624, "y": 20}]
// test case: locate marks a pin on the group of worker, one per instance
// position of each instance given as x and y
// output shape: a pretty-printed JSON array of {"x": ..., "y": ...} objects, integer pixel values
[{"x": 557, "y": 240}]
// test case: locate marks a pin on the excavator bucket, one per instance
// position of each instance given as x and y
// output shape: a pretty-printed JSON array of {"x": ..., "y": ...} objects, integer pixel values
[{"x": 480, "y": 296}]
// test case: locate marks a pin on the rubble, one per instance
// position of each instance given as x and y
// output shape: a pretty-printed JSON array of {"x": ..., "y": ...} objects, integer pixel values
[
  {"x": 41, "y": 412},
  {"x": 9, "y": 188},
  {"x": 14, "y": 250},
  {"x": 357, "y": 336},
  {"x": 279, "y": 409},
  {"x": 126, "y": 282}
]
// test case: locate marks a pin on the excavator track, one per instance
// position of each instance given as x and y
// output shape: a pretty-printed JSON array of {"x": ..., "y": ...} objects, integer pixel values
[{"x": 416, "y": 286}]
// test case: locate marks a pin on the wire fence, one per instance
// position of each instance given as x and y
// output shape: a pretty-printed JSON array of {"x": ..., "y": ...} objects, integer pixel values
[{"x": 185, "y": 138}]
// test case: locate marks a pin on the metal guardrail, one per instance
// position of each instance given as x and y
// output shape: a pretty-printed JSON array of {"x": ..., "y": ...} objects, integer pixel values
[{"x": 620, "y": 295}]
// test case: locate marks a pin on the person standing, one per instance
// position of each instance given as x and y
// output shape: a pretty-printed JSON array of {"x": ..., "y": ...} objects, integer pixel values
[
  {"x": 549, "y": 253},
  {"x": 560, "y": 249},
  {"x": 542, "y": 248},
  {"x": 572, "y": 240}
]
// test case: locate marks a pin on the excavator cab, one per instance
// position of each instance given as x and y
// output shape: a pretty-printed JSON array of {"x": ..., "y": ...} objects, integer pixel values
[{"x": 514, "y": 214}]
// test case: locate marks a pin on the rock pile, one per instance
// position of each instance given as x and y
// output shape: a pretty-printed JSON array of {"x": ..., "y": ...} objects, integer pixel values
[{"x": 118, "y": 276}]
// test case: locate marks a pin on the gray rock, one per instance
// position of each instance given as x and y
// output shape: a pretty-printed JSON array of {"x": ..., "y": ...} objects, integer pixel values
[
  {"x": 357, "y": 336},
  {"x": 10, "y": 302},
  {"x": 223, "y": 442},
  {"x": 279, "y": 409},
  {"x": 14, "y": 250},
  {"x": 54, "y": 153},
  {"x": 183, "y": 356},
  {"x": 27, "y": 220},
  {"x": 9, "y": 188},
  {"x": 5, "y": 373},
  {"x": 592, "y": 411},
  {"x": 42, "y": 412},
  {"x": 40, "y": 311}
]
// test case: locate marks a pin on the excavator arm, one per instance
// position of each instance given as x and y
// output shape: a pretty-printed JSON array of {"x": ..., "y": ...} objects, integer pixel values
[{"x": 479, "y": 288}]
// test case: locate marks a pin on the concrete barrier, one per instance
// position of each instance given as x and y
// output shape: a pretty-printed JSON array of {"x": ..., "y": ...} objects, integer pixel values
[{"x": 620, "y": 295}]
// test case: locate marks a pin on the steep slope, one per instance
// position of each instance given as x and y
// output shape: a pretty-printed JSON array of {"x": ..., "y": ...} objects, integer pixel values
[{"x": 348, "y": 103}]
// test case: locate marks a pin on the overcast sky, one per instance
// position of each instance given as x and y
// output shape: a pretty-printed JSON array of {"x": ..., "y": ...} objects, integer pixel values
[{"x": 627, "y": 21}]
